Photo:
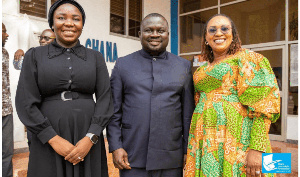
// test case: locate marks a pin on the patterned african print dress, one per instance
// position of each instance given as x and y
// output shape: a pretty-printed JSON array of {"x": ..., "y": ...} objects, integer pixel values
[{"x": 236, "y": 101}]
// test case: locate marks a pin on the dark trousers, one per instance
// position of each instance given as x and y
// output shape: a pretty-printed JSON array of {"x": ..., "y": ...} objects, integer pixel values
[
  {"x": 142, "y": 172},
  {"x": 7, "y": 145}
]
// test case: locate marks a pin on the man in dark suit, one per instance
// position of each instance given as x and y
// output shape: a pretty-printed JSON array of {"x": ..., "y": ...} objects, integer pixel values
[{"x": 153, "y": 105}]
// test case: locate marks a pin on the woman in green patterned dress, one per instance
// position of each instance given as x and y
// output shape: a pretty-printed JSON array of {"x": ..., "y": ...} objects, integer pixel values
[{"x": 237, "y": 98}]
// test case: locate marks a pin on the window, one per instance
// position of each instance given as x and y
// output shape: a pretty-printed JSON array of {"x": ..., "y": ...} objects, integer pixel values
[
  {"x": 125, "y": 17},
  {"x": 191, "y": 5},
  {"x": 117, "y": 16},
  {"x": 258, "y": 22},
  {"x": 37, "y": 8},
  {"x": 53, "y": 1},
  {"x": 293, "y": 80},
  {"x": 226, "y": 1},
  {"x": 191, "y": 27},
  {"x": 293, "y": 20}
]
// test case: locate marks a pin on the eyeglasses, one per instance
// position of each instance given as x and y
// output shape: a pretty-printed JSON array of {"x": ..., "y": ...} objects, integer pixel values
[
  {"x": 47, "y": 38},
  {"x": 212, "y": 30}
]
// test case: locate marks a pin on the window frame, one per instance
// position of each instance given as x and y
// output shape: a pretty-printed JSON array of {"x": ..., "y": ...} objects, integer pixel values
[
  {"x": 35, "y": 17},
  {"x": 126, "y": 35}
]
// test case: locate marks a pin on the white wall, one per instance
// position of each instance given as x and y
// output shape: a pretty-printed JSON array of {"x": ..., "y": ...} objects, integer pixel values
[
  {"x": 23, "y": 31},
  {"x": 159, "y": 6},
  {"x": 292, "y": 128}
]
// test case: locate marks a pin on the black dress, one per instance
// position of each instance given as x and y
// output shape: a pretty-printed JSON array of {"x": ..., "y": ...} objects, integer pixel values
[{"x": 47, "y": 72}]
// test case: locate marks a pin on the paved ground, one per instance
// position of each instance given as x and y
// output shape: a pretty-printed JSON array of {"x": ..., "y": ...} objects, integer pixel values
[{"x": 20, "y": 160}]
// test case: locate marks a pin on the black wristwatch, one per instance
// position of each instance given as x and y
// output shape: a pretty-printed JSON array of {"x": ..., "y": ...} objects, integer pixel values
[{"x": 93, "y": 137}]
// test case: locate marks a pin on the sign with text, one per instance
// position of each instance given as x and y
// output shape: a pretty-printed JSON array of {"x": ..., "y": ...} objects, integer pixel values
[
  {"x": 276, "y": 163},
  {"x": 111, "y": 49}
]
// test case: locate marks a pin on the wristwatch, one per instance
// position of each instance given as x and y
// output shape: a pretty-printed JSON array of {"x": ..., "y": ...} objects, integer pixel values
[{"x": 93, "y": 137}]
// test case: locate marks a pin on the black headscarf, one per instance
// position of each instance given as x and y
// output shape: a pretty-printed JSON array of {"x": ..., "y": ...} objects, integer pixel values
[{"x": 59, "y": 3}]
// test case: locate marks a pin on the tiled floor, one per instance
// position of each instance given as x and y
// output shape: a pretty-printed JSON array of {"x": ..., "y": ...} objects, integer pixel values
[{"x": 20, "y": 161}]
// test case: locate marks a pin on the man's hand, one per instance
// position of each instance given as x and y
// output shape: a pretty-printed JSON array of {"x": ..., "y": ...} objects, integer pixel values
[
  {"x": 82, "y": 148},
  {"x": 61, "y": 146},
  {"x": 254, "y": 163},
  {"x": 18, "y": 55},
  {"x": 120, "y": 159}
]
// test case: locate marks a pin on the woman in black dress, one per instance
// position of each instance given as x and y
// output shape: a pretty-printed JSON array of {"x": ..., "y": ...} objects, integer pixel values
[{"x": 54, "y": 100}]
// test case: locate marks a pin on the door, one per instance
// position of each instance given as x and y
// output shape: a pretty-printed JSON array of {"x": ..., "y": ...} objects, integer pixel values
[{"x": 275, "y": 55}]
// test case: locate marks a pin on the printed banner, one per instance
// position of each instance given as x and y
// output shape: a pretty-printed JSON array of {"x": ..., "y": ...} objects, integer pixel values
[{"x": 276, "y": 163}]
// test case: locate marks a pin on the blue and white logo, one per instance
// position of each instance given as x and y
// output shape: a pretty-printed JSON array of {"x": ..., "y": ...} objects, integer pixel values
[{"x": 276, "y": 163}]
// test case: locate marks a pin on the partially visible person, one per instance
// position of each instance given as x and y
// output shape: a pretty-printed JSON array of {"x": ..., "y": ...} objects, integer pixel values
[
  {"x": 7, "y": 111},
  {"x": 55, "y": 101},
  {"x": 237, "y": 98},
  {"x": 45, "y": 38},
  {"x": 153, "y": 100}
]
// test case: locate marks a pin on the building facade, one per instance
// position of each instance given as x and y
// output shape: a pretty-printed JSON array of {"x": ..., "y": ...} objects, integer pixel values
[{"x": 269, "y": 27}]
